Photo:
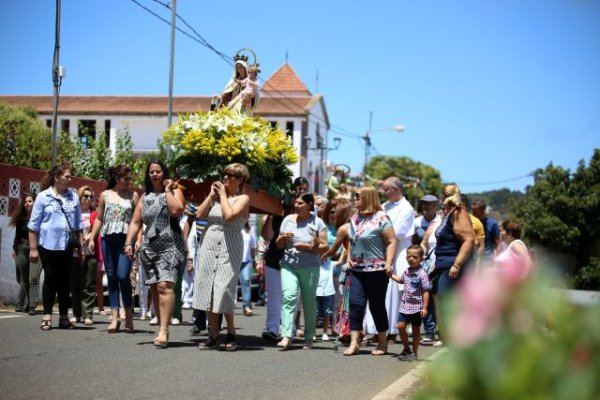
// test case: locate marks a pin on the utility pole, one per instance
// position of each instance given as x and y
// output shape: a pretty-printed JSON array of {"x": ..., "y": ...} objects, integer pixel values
[
  {"x": 171, "y": 67},
  {"x": 367, "y": 139},
  {"x": 57, "y": 74}
]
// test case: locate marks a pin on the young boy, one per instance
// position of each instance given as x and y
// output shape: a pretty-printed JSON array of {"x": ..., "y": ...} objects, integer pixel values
[{"x": 415, "y": 300}]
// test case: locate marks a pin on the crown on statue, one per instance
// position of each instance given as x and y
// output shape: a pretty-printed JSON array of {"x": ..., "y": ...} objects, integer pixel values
[{"x": 240, "y": 57}]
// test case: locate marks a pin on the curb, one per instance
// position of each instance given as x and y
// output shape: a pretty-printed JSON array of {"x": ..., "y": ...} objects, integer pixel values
[{"x": 406, "y": 381}]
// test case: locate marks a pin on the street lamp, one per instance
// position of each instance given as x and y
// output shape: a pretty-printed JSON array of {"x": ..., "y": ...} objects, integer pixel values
[{"x": 367, "y": 139}]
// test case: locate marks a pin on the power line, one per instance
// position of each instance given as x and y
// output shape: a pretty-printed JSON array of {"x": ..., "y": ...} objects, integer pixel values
[{"x": 496, "y": 182}]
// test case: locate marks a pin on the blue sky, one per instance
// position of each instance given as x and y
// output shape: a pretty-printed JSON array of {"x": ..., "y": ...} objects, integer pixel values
[{"x": 488, "y": 90}]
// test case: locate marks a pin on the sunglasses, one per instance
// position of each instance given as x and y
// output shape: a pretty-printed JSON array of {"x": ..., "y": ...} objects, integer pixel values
[
  {"x": 88, "y": 196},
  {"x": 227, "y": 175}
]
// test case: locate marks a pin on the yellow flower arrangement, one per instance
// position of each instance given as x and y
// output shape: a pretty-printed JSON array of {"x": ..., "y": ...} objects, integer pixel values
[{"x": 203, "y": 143}]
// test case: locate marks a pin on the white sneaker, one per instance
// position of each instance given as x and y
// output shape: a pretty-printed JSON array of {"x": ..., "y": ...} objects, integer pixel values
[
  {"x": 154, "y": 321},
  {"x": 438, "y": 343},
  {"x": 175, "y": 321},
  {"x": 325, "y": 337}
]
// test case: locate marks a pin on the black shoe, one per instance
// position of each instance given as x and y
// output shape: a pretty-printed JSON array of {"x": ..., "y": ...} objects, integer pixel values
[
  {"x": 195, "y": 331},
  {"x": 19, "y": 309},
  {"x": 270, "y": 336},
  {"x": 31, "y": 311},
  {"x": 260, "y": 303}
]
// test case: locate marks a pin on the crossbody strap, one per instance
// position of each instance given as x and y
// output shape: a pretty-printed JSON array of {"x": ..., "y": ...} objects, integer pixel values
[{"x": 64, "y": 213}]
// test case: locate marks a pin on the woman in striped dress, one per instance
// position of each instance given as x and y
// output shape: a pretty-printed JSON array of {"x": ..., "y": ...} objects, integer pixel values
[{"x": 220, "y": 254}]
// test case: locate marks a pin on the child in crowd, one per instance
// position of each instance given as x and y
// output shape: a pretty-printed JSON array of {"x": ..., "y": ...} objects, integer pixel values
[{"x": 415, "y": 301}]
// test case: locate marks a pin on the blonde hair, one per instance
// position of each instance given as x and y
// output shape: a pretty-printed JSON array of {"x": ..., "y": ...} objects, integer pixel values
[
  {"x": 369, "y": 200},
  {"x": 451, "y": 195},
  {"x": 239, "y": 171},
  {"x": 82, "y": 190}
]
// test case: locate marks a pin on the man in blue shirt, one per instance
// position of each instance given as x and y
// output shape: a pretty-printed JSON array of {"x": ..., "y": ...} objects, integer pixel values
[{"x": 492, "y": 231}]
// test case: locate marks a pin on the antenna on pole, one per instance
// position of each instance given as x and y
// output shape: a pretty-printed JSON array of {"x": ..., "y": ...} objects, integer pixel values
[
  {"x": 286, "y": 56},
  {"x": 317, "y": 88}
]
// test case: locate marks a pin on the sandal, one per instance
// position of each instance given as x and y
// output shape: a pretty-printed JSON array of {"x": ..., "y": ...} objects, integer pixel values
[
  {"x": 230, "y": 344},
  {"x": 46, "y": 325},
  {"x": 210, "y": 344},
  {"x": 354, "y": 349},
  {"x": 284, "y": 343},
  {"x": 379, "y": 351},
  {"x": 65, "y": 324}
]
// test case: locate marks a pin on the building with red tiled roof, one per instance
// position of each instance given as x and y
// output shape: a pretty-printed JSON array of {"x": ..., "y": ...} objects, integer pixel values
[{"x": 285, "y": 100}]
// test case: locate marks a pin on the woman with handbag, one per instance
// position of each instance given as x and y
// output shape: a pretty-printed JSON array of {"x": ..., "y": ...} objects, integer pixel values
[
  {"x": 54, "y": 232},
  {"x": 162, "y": 252},
  {"x": 372, "y": 252},
  {"x": 115, "y": 208}
]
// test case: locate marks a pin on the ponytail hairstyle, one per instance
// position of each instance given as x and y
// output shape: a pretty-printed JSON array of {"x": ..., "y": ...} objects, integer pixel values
[
  {"x": 451, "y": 195},
  {"x": 115, "y": 173},
  {"x": 308, "y": 198},
  {"x": 54, "y": 173}
]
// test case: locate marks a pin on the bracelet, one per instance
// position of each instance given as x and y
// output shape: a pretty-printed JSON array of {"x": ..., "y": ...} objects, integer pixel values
[
  {"x": 455, "y": 266},
  {"x": 128, "y": 244},
  {"x": 32, "y": 248}
]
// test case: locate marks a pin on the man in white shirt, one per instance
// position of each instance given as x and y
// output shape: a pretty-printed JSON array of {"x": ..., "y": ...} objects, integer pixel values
[{"x": 402, "y": 215}]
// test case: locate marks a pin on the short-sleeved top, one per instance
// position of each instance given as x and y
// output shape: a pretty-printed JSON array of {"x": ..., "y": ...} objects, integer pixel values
[
  {"x": 117, "y": 215},
  {"x": 421, "y": 225},
  {"x": 366, "y": 239},
  {"x": 304, "y": 232},
  {"x": 477, "y": 227},
  {"x": 249, "y": 244},
  {"x": 416, "y": 281},
  {"x": 201, "y": 224},
  {"x": 492, "y": 232},
  {"x": 48, "y": 219}
]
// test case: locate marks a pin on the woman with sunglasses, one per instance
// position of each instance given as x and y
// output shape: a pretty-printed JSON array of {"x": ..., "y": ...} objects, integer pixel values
[
  {"x": 372, "y": 251},
  {"x": 221, "y": 252},
  {"x": 115, "y": 209},
  {"x": 56, "y": 212},
  {"x": 83, "y": 269}
]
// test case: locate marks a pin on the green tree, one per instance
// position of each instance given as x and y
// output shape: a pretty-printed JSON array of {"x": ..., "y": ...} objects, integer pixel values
[
  {"x": 561, "y": 212},
  {"x": 419, "y": 179},
  {"x": 26, "y": 142},
  {"x": 501, "y": 201}
]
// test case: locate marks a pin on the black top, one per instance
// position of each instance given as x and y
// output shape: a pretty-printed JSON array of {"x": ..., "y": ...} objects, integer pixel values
[
  {"x": 273, "y": 255},
  {"x": 21, "y": 232}
]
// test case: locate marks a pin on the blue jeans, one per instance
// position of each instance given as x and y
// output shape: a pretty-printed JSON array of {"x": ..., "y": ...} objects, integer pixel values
[
  {"x": 245, "y": 274},
  {"x": 429, "y": 323},
  {"x": 118, "y": 267}
]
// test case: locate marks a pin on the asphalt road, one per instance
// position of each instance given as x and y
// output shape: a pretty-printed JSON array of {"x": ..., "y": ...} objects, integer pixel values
[{"x": 89, "y": 363}]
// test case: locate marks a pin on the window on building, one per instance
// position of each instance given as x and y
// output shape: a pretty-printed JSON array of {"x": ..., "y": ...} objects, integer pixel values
[
  {"x": 273, "y": 124},
  {"x": 65, "y": 126},
  {"x": 107, "y": 131},
  {"x": 87, "y": 128},
  {"x": 289, "y": 128},
  {"x": 48, "y": 123}
]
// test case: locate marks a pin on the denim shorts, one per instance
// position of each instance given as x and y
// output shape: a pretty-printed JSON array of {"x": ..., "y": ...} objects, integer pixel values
[
  {"x": 413, "y": 319},
  {"x": 325, "y": 306}
]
